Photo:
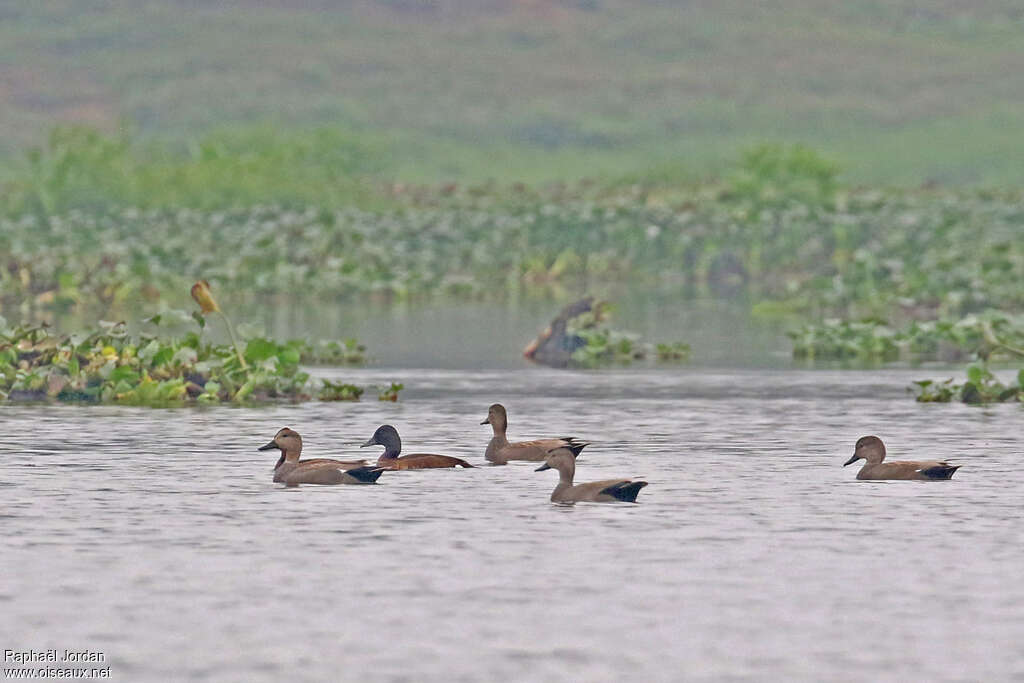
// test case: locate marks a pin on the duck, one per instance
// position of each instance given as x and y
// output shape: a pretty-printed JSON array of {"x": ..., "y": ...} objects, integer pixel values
[
  {"x": 292, "y": 471},
  {"x": 387, "y": 436},
  {"x": 500, "y": 451},
  {"x": 872, "y": 450},
  {"x": 563, "y": 459}
]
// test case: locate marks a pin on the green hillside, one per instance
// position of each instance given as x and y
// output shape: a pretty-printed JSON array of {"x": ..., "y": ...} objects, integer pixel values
[{"x": 897, "y": 91}]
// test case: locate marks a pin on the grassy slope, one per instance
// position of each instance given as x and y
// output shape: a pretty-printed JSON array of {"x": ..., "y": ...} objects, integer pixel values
[{"x": 536, "y": 89}]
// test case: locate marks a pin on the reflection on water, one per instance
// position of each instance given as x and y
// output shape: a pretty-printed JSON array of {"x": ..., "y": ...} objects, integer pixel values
[{"x": 158, "y": 537}]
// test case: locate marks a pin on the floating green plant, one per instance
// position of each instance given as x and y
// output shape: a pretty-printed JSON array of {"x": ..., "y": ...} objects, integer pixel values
[
  {"x": 782, "y": 234},
  {"x": 673, "y": 352},
  {"x": 981, "y": 386},
  {"x": 580, "y": 336},
  {"x": 339, "y": 391},
  {"x": 989, "y": 335},
  {"x": 390, "y": 393},
  {"x": 153, "y": 367},
  {"x": 344, "y": 352}
]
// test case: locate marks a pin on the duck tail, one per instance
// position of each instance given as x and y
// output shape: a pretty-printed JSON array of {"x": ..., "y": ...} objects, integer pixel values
[
  {"x": 575, "y": 445},
  {"x": 940, "y": 471},
  {"x": 463, "y": 463},
  {"x": 625, "y": 491},
  {"x": 365, "y": 475}
]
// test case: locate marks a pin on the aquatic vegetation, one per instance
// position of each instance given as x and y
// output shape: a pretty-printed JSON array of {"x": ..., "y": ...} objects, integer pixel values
[
  {"x": 830, "y": 252},
  {"x": 339, "y": 391},
  {"x": 331, "y": 352},
  {"x": 989, "y": 335},
  {"x": 841, "y": 339},
  {"x": 604, "y": 346},
  {"x": 153, "y": 367},
  {"x": 207, "y": 304},
  {"x": 390, "y": 393},
  {"x": 599, "y": 344},
  {"x": 981, "y": 386},
  {"x": 581, "y": 337},
  {"x": 674, "y": 351}
]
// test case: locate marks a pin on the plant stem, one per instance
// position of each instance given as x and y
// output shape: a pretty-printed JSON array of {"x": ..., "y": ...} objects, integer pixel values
[{"x": 234, "y": 341}]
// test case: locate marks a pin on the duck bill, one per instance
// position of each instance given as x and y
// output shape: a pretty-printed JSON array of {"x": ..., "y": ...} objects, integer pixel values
[
  {"x": 369, "y": 442},
  {"x": 486, "y": 422},
  {"x": 543, "y": 467},
  {"x": 852, "y": 460},
  {"x": 268, "y": 447}
]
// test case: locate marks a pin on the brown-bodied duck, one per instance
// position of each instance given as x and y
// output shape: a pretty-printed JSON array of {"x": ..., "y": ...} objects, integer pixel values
[
  {"x": 500, "y": 451},
  {"x": 292, "y": 471},
  {"x": 563, "y": 459},
  {"x": 872, "y": 450},
  {"x": 392, "y": 459}
]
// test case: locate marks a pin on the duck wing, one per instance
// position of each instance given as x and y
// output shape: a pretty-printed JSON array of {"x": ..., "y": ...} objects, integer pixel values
[
  {"x": 937, "y": 470},
  {"x": 626, "y": 491},
  {"x": 537, "y": 449},
  {"x": 326, "y": 471},
  {"x": 421, "y": 461},
  {"x": 606, "y": 491},
  {"x": 341, "y": 464}
]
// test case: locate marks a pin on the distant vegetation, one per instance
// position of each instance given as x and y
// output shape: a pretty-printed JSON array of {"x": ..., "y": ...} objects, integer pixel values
[
  {"x": 899, "y": 91},
  {"x": 992, "y": 335},
  {"x": 418, "y": 150},
  {"x": 927, "y": 273},
  {"x": 778, "y": 228}
]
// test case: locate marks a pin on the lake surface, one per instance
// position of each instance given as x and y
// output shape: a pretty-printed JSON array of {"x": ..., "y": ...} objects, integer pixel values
[{"x": 157, "y": 537}]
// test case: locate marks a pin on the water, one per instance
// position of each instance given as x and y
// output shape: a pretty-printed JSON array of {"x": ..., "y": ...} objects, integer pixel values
[{"x": 158, "y": 538}]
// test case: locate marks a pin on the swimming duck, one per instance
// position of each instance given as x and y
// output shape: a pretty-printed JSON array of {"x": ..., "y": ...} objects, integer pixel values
[
  {"x": 500, "y": 451},
  {"x": 292, "y": 471},
  {"x": 872, "y": 450},
  {"x": 563, "y": 459},
  {"x": 387, "y": 436}
]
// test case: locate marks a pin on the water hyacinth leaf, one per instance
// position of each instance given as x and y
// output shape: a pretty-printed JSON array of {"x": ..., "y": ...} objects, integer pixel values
[
  {"x": 149, "y": 351},
  {"x": 164, "y": 355},
  {"x": 289, "y": 356},
  {"x": 259, "y": 349},
  {"x": 185, "y": 356},
  {"x": 123, "y": 373},
  {"x": 206, "y": 366}
]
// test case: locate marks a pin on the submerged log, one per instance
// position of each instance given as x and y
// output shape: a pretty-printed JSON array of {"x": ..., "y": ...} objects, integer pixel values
[{"x": 555, "y": 345}]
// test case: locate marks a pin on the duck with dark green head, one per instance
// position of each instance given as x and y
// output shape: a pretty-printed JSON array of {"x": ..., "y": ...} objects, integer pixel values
[{"x": 392, "y": 458}]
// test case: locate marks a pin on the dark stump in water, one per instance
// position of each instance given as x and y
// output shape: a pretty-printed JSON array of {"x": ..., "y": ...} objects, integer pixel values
[{"x": 555, "y": 345}]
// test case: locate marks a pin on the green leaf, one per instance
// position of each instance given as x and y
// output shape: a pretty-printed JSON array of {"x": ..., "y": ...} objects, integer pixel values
[
  {"x": 123, "y": 373},
  {"x": 185, "y": 356},
  {"x": 163, "y": 356},
  {"x": 260, "y": 349},
  {"x": 289, "y": 356},
  {"x": 974, "y": 374}
]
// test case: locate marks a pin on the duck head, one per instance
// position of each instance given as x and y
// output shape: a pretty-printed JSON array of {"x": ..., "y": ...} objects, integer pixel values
[
  {"x": 497, "y": 418},
  {"x": 386, "y": 436},
  {"x": 288, "y": 442},
  {"x": 870, "y": 448},
  {"x": 561, "y": 459}
]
